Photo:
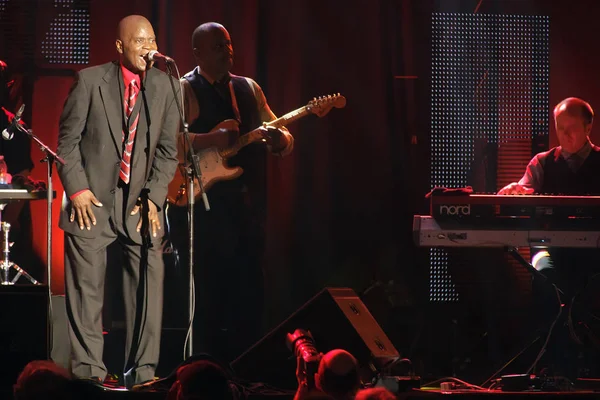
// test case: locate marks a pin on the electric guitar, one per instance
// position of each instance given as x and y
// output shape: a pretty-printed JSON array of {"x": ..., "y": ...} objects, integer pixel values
[{"x": 213, "y": 161}]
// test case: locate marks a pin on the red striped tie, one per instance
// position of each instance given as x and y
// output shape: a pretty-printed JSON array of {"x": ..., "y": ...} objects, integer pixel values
[{"x": 130, "y": 96}]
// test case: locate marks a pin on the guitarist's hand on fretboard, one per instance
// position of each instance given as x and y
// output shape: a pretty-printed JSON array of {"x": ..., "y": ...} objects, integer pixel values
[{"x": 279, "y": 141}]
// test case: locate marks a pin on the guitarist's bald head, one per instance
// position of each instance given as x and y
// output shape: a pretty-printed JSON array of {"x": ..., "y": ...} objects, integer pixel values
[
  {"x": 203, "y": 33},
  {"x": 213, "y": 49}
]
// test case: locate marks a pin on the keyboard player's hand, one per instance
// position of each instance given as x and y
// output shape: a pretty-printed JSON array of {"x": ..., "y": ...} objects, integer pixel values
[{"x": 515, "y": 188}]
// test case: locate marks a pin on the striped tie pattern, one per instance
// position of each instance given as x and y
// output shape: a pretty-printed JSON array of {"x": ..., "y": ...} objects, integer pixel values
[{"x": 129, "y": 103}]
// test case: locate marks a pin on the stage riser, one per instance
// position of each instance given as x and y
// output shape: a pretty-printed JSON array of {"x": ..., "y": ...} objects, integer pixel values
[{"x": 23, "y": 329}]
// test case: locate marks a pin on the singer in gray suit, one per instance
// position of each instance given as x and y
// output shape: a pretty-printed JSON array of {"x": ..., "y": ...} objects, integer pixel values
[{"x": 118, "y": 136}]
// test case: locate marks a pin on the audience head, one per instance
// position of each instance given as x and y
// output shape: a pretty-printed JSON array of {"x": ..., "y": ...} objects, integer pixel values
[
  {"x": 204, "y": 380},
  {"x": 316, "y": 395},
  {"x": 338, "y": 374},
  {"x": 377, "y": 393},
  {"x": 42, "y": 379}
]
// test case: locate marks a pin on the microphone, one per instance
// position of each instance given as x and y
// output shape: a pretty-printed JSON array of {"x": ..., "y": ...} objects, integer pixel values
[
  {"x": 9, "y": 132},
  {"x": 154, "y": 55}
]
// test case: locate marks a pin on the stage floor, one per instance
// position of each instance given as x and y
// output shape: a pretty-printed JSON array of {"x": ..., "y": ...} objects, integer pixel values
[
  {"x": 497, "y": 395},
  {"x": 415, "y": 394}
]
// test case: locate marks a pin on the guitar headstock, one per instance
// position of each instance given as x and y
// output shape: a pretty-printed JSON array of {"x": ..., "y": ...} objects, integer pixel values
[{"x": 322, "y": 105}]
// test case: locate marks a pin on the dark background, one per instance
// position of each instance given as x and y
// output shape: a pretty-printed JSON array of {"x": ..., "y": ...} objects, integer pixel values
[{"x": 341, "y": 206}]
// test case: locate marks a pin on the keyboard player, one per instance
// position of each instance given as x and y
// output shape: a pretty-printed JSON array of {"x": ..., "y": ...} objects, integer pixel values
[{"x": 568, "y": 169}]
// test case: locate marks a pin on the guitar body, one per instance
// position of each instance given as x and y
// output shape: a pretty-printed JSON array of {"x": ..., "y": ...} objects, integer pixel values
[
  {"x": 213, "y": 168},
  {"x": 213, "y": 161}
]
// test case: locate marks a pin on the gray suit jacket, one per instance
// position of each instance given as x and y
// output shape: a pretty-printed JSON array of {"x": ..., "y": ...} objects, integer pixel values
[{"x": 90, "y": 141}]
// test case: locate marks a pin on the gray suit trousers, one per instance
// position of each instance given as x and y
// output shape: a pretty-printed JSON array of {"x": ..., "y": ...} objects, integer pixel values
[{"x": 143, "y": 274}]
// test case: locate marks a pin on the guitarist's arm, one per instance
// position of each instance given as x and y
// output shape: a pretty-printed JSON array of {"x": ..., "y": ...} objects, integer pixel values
[
  {"x": 282, "y": 139},
  {"x": 219, "y": 137}
]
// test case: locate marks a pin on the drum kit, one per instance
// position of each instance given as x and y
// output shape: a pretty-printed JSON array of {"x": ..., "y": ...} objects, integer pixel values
[{"x": 8, "y": 195}]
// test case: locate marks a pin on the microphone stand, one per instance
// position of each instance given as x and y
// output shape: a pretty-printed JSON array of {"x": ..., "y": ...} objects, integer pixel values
[
  {"x": 50, "y": 158},
  {"x": 193, "y": 172}
]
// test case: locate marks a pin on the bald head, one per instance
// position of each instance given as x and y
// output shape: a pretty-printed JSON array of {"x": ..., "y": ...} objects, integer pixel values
[
  {"x": 573, "y": 119},
  {"x": 338, "y": 373},
  {"x": 204, "y": 32},
  {"x": 576, "y": 107},
  {"x": 129, "y": 24},
  {"x": 213, "y": 50},
  {"x": 339, "y": 362},
  {"x": 135, "y": 38}
]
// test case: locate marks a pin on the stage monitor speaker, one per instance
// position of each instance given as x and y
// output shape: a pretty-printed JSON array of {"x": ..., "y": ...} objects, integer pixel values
[
  {"x": 337, "y": 319},
  {"x": 23, "y": 329}
]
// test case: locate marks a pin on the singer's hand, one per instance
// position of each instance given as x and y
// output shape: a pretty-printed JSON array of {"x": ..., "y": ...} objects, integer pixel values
[
  {"x": 81, "y": 208},
  {"x": 152, "y": 216}
]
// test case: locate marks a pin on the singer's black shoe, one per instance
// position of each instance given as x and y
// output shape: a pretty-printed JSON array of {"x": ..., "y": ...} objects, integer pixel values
[
  {"x": 93, "y": 379},
  {"x": 153, "y": 385},
  {"x": 94, "y": 382}
]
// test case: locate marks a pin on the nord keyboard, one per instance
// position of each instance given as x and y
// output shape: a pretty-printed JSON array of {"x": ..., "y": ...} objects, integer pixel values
[
  {"x": 428, "y": 232},
  {"x": 21, "y": 194},
  {"x": 10, "y": 195},
  {"x": 516, "y": 211}
]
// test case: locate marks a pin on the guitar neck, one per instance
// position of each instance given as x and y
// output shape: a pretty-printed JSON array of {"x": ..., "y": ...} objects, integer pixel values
[
  {"x": 289, "y": 117},
  {"x": 256, "y": 135},
  {"x": 244, "y": 140}
]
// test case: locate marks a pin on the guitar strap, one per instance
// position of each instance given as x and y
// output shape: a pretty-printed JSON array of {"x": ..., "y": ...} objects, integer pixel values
[{"x": 234, "y": 103}]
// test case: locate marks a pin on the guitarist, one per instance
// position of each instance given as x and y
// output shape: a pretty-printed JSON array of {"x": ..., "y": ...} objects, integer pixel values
[{"x": 229, "y": 239}]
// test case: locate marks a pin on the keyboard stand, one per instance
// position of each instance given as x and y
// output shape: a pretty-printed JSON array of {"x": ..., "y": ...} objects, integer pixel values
[{"x": 513, "y": 251}]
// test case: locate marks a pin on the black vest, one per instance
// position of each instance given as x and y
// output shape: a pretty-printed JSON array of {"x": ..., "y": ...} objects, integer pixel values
[
  {"x": 560, "y": 180},
  {"x": 215, "y": 109},
  {"x": 574, "y": 265}
]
